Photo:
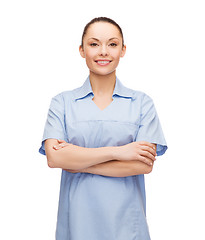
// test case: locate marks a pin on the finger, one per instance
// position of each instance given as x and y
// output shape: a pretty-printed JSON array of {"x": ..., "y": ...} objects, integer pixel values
[
  {"x": 149, "y": 149},
  {"x": 146, "y": 160},
  {"x": 59, "y": 146},
  {"x": 56, "y": 147},
  {"x": 144, "y": 143},
  {"x": 61, "y": 141},
  {"x": 62, "y": 145},
  {"x": 154, "y": 146},
  {"x": 147, "y": 154}
]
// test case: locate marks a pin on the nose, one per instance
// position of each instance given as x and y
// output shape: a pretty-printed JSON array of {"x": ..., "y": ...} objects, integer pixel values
[{"x": 104, "y": 51}]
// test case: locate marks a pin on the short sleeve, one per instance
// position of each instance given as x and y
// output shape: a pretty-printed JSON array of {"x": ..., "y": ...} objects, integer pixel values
[
  {"x": 55, "y": 124},
  {"x": 150, "y": 129}
]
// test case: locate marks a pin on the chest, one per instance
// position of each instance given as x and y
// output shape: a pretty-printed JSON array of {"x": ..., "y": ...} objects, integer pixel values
[
  {"x": 98, "y": 124},
  {"x": 102, "y": 103}
]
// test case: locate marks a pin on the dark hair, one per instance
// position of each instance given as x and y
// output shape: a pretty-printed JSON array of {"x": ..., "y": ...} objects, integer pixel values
[{"x": 101, "y": 19}]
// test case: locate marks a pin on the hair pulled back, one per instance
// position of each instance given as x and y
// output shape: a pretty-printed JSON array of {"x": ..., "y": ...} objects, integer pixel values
[{"x": 101, "y": 19}]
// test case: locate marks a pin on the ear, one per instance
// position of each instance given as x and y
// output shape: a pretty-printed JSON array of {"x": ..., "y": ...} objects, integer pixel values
[
  {"x": 123, "y": 51},
  {"x": 81, "y": 51}
]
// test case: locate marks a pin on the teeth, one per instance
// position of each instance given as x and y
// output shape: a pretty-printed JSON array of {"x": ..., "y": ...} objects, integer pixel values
[{"x": 103, "y": 62}]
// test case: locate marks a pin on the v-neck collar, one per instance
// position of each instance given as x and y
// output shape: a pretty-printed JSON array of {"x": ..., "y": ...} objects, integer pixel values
[{"x": 119, "y": 90}]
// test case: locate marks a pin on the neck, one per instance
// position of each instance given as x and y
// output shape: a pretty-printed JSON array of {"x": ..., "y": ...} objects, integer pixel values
[{"x": 102, "y": 85}]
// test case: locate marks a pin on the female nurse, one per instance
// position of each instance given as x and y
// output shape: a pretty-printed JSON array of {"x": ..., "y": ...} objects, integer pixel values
[{"x": 105, "y": 137}]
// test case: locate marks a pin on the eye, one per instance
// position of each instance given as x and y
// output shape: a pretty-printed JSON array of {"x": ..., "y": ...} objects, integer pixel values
[
  {"x": 113, "y": 44},
  {"x": 93, "y": 44}
]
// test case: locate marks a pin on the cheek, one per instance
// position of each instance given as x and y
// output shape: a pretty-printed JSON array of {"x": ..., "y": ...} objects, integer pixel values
[
  {"x": 89, "y": 58},
  {"x": 115, "y": 54},
  {"x": 116, "y": 58},
  {"x": 90, "y": 53}
]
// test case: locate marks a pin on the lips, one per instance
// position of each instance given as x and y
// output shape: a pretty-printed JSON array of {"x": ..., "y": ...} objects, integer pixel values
[{"x": 103, "y": 62}]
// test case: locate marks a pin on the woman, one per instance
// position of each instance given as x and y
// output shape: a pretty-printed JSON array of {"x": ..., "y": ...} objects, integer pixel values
[{"x": 105, "y": 137}]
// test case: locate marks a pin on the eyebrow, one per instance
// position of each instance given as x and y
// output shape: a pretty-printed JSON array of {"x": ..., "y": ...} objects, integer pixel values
[{"x": 99, "y": 40}]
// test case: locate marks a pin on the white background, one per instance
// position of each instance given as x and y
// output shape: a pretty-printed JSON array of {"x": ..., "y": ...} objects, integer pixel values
[{"x": 39, "y": 58}]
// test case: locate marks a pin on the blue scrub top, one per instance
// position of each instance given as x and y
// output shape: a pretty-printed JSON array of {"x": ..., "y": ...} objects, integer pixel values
[{"x": 95, "y": 207}]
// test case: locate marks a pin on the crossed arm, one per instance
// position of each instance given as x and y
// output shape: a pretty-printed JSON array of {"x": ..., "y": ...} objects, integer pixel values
[{"x": 131, "y": 159}]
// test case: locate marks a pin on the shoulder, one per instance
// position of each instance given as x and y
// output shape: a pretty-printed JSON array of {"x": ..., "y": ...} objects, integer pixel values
[
  {"x": 140, "y": 96},
  {"x": 130, "y": 92}
]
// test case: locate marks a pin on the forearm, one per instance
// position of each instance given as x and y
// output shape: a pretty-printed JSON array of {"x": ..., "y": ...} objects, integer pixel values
[
  {"x": 75, "y": 157},
  {"x": 131, "y": 159},
  {"x": 119, "y": 168}
]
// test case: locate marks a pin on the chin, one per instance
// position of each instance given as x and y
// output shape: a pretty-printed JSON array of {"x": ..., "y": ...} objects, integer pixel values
[{"x": 103, "y": 73}]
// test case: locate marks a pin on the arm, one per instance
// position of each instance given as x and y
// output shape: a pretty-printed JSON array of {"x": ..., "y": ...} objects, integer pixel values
[
  {"x": 117, "y": 168},
  {"x": 122, "y": 167},
  {"x": 75, "y": 157}
]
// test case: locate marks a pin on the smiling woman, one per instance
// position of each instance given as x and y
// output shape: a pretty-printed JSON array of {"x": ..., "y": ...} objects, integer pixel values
[
  {"x": 105, "y": 137},
  {"x": 102, "y": 47}
]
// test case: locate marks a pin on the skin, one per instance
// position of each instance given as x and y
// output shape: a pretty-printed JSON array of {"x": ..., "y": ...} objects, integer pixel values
[
  {"x": 132, "y": 159},
  {"x": 102, "y": 41}
]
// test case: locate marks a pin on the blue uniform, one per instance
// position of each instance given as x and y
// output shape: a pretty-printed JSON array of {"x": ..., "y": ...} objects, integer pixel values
[{"x": 95, "y": 207}]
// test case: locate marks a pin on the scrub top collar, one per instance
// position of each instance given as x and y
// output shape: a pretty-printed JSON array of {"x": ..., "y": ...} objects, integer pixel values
[{"x": 119, "y": 90}]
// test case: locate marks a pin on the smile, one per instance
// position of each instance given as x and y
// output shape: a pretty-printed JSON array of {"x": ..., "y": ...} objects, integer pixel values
[{"x": 103, "y": 62}]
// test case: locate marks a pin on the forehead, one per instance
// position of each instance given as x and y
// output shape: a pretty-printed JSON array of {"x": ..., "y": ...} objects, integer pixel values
[{"x": 102, "y": 30}]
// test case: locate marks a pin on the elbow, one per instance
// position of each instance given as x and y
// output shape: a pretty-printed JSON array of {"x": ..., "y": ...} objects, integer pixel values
[
  {"x": 55, "y": 161},
  {"x": 148, "y": 169},
  {"x": 53, "y": 157},
  {"x": 51, "y": 162}
]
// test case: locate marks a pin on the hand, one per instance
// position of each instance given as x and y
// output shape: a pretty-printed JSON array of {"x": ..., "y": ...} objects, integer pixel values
[
  {"x": 140, "y": 151},
  {"x": 61, "y": 144}
]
